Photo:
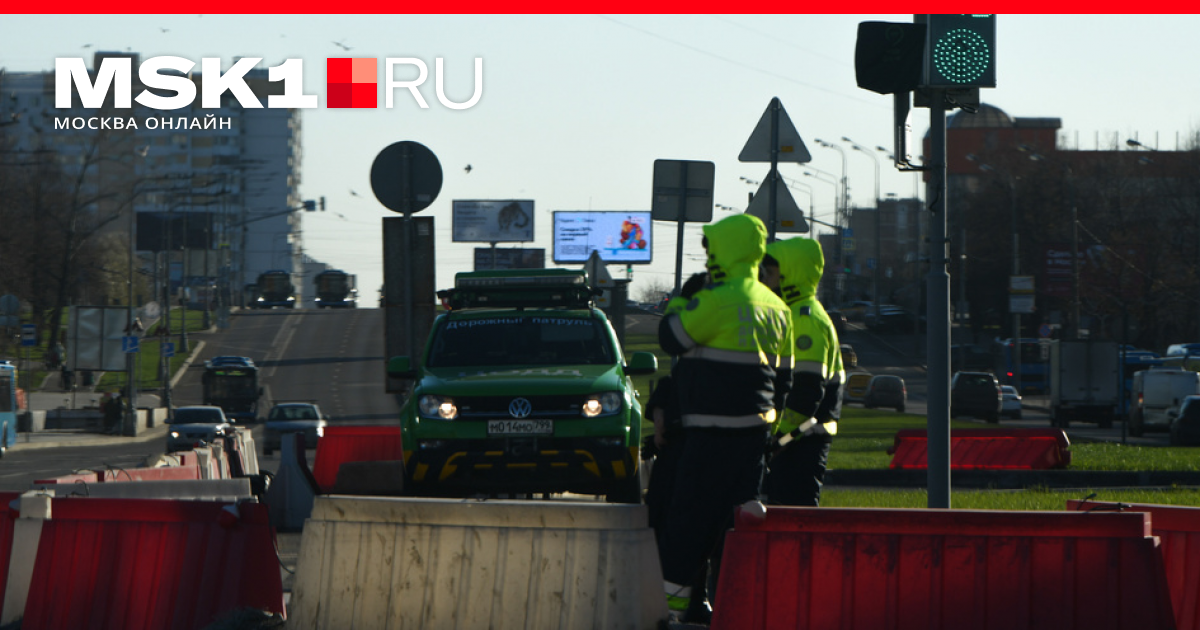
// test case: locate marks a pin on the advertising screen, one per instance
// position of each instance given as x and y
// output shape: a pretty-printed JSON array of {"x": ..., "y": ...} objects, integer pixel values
[
  {"x": 480, "y": 221},
  {"x": 619, "y": 236}
]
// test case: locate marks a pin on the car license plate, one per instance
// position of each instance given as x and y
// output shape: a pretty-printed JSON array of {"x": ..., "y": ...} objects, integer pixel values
[{"x": 520, "y": 427}]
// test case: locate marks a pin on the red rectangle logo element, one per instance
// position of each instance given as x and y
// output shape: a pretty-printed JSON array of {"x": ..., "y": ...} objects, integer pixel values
[{"x": 351, "y": 82}]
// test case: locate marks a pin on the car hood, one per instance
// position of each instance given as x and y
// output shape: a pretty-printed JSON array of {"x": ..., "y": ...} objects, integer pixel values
[
  {"x": 198, "y": 427},
  {"x": 294, "y": 425},
  {"x": 500, "y": 381}
]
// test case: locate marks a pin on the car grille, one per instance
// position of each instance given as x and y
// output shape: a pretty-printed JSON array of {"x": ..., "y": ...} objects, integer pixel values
[{"x": 496, "y": 407}]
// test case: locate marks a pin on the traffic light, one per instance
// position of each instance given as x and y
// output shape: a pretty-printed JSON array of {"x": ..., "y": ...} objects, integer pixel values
[
  {"x": 887, "y": 56},
  {"x": 960, "y": 51}
]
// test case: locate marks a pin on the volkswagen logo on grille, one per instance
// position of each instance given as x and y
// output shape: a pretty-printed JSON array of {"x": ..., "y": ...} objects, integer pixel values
[{"x": 519, "y": 408}]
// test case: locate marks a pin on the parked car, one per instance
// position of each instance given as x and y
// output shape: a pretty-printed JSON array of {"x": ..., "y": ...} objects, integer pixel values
[
  {"x": 293, "y": 417},
  {"x": 849, "y": 357},
  {"x": 194, "y": 425},
  {"x": 855, "y": 311},
  {"x": 975, "y": 394},
  {"x": 886, "y": 390},
  {"x": 839, "y": 321},
  {"x": 1011, "y": 406},
  {"x": 856, "y": 387},
  {"x": 1185, "y": 424}
]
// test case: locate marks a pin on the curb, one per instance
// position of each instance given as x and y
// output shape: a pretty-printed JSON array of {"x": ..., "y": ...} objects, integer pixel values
[
  {"x": 1013, "y": 479},
  {"x": 73, "y": 439}
]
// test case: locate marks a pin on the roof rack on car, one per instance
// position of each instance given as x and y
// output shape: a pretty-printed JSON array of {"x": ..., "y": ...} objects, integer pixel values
[{"x": 519, "y": 288}]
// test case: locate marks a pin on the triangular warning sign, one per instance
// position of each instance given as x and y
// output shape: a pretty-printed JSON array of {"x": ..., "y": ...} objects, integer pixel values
[
  {"x": 788, "y": 216},
  {"x": 759, "y": 147}
]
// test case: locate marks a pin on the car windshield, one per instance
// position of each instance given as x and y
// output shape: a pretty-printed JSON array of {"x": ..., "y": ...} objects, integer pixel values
[
  {"x": 197, "y": 416},
  {"x": 293, "y": 413},
  {"x": 521, "y": 340},
  {"x": 976, "y": 380}
]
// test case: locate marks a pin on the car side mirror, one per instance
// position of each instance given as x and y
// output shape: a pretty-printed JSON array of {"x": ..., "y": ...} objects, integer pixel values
[
  {"x": 401, "y": 367},
  {"x": 641, "y": 363}
]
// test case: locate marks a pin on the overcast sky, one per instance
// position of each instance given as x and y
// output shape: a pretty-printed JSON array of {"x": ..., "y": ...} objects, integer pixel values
[{"x": 575, "y": 109}]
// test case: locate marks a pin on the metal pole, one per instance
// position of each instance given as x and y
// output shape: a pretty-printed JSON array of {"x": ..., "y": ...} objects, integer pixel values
[
  {"x": 1075, "y": 323},
  {"x": 130, "y": 371},
  {"x": 683, "y": 177},
  {"x": 1016, "y": 270},
  {"x": 774, "y": 191},
  {"x": 938, "y": 309}
]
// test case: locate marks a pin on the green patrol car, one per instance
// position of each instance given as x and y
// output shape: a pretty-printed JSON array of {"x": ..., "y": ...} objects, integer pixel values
[{"x": 522, "y": 389}]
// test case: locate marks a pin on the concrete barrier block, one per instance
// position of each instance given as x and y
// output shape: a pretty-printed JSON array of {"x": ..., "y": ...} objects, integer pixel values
[
  {"x": 223, "y": 490},
  {"x": 403, "y": 562},
  {"x": 31, "y": 421}
]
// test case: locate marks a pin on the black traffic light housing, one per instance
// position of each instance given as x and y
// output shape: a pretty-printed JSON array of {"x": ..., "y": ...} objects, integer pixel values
[{"x": 888, "y": 56}]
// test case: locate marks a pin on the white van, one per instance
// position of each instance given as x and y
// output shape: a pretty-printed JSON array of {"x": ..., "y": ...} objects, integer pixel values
[{"x": 1157, "y": 391}]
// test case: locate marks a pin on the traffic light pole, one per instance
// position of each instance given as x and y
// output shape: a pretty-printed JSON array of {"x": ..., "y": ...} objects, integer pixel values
[{"x": 938, "y": 309}]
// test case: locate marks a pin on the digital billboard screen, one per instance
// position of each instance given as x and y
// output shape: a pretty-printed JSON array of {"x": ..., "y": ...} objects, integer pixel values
[{"x": 619, "y": 236}]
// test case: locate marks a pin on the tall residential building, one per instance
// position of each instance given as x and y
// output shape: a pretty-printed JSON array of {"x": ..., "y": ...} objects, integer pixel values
[{"x": 229, "y": 192}]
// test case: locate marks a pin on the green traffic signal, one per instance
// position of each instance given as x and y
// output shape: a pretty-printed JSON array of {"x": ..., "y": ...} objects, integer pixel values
[{"x": 960, "y": 51}]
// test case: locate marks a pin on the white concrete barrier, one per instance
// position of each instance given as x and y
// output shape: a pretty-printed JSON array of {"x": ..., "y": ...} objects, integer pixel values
[
  {"x": 222, "y": 490},
  {"x": 376, "y": 562}
]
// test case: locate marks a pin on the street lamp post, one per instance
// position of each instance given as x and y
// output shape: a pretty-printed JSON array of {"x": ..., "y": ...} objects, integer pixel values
[
  {"x": 842, "y": 218},
  {"x": 878, "y": 223}
]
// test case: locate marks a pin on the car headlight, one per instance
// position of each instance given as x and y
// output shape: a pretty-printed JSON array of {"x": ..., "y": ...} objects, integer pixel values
[
  {"x": 174, "y": 434},
  {"x": 437, "y": 407},
  {"x": 599, "y": 404},
  {"x": 320, "y": 431}
]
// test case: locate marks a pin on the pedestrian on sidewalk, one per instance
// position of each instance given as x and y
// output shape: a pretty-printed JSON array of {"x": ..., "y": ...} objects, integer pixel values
[{"x": 111, "y": 407}]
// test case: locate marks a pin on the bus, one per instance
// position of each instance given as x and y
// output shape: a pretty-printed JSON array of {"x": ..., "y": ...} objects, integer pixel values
[
  {"x": 8, "y": 405},
  {"x": 275, "y": 289},
  {"x": 1034, "y": 365},
  {"x": 231, "y": 383}
]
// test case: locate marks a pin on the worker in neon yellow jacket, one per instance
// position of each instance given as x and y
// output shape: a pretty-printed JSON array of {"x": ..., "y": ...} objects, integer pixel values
[
  {"x": 805, "y": 433},
  {"x": 734, "y": 341}
]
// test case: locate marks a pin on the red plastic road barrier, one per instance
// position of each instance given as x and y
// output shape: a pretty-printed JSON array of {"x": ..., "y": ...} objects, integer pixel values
[
  {"x": 1178, "y": 529},
  {"x": 142, "y": 564},
  {"x": 83, "y": 477},
  {"x": 1029, "y": 449},
  {"x": 863, "y": 569},
  {"x": 353, "y": 444},
  {"x": 8, "y": 514},
  {"x": 160, "y": 473}
]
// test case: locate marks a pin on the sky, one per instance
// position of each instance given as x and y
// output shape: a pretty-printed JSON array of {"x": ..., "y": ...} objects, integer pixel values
[{"x": 575, "y": 109}]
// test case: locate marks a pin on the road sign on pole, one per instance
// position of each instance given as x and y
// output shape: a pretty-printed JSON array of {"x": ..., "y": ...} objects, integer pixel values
[
  {"x": 168, "y": 349},
  {"x": 683, "y": 191},
  {"x": 779, "y": 144},
  {"x": 28, "y": 334},
  {"x": 788, "y": 216},
  {"x": 129, "y": 344}
]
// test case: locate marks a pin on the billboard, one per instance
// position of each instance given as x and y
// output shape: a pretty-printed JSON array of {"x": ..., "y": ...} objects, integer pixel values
[
  {"x": 509, "y": 221},
  {"x": 488, "y": 258},
  {"x": 171, "y": 231},
  {"x": 619, "y": 236}
]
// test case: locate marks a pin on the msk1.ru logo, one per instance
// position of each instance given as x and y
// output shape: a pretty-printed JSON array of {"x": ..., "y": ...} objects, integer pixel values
[{"x": 351, "y": 82}]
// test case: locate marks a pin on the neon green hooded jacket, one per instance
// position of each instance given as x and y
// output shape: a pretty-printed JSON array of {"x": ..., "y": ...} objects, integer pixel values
[
  {"x": 733, "y": 338},
  {"x": 818, "y": 375}
]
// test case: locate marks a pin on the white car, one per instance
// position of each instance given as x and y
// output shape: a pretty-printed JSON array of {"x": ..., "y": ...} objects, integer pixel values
[
  {"x": 293, "y": 417},
  {"x": 1011, "y": 404},
  {"x": 197, "y": 424}
]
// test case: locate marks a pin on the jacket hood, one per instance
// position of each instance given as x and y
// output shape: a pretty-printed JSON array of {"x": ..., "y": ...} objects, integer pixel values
[
  {"x": 801, "y": 263},
  {"x": 735, "y": 246}
]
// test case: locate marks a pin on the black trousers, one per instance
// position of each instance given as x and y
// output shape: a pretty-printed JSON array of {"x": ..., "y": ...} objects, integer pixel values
[
  {"x": 795, "y": 474},
  {"x": 718, "y": 470}
]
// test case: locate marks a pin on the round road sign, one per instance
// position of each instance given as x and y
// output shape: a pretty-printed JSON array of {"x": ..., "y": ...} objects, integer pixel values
[{"x": 406, "y": 177}]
